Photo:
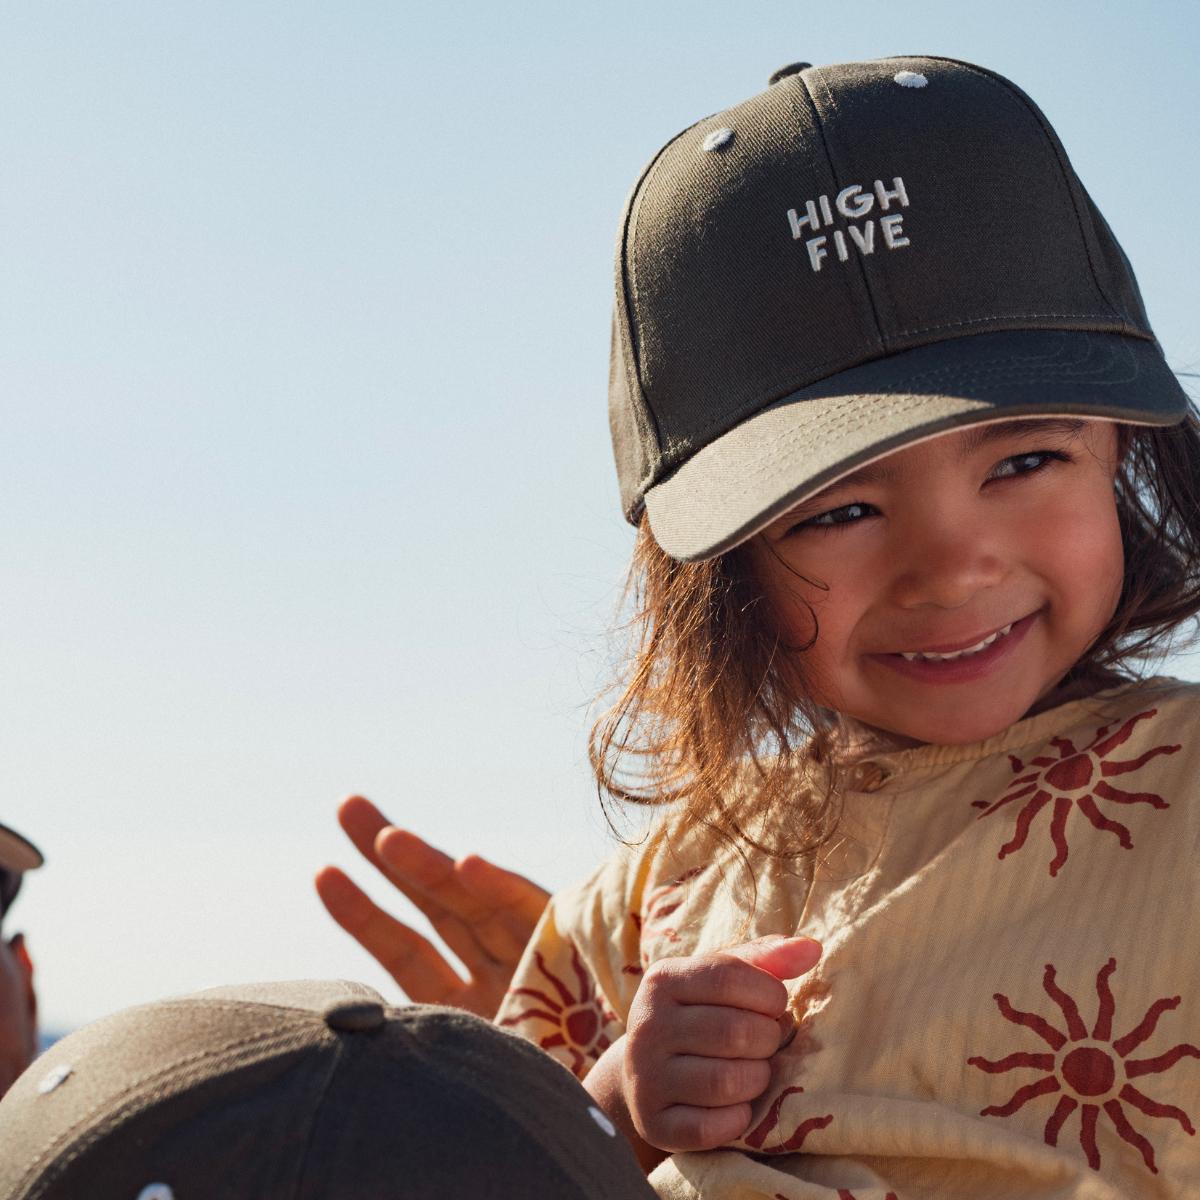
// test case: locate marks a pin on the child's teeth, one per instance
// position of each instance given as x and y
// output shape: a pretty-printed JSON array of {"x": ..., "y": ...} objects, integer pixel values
[{"x": 932, "y": 657}]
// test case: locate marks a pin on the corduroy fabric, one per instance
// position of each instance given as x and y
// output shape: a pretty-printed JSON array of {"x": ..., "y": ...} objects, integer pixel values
[{"x": 1007, "y": 1006}]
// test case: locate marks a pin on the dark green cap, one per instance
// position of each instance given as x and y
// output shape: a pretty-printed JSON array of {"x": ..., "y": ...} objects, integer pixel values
[
  {"x": 861, "y": 256},
  {"x": 308, "y": 1090}
]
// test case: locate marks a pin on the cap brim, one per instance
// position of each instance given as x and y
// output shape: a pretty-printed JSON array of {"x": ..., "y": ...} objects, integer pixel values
[
  {"x": 733, "y": 487},
  {"x": 16, "y": 852}
]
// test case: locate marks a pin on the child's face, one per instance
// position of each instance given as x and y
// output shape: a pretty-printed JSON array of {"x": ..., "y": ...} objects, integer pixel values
[{"x": 937, "y": 547}]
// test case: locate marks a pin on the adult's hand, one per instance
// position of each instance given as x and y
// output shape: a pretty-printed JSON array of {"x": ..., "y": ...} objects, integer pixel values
[{"x": 484, "y": 913}]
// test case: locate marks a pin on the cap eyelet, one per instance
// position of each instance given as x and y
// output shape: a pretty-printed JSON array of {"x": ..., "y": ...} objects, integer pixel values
[
  {"x": 717, "y": 140},
  {"x": 601, "y": 1119},
  {"x": 54, "y": 1078}
]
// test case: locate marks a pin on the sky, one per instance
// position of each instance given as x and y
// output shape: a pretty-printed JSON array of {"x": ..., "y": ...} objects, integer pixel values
[{"x": 306, "y": 475}]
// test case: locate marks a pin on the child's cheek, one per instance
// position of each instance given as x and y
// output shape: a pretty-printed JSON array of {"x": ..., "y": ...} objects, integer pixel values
[{"x": 1088, "y": 560}]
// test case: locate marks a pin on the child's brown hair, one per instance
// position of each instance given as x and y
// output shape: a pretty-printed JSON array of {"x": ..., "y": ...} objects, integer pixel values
[{"x": 709, "y": 694}]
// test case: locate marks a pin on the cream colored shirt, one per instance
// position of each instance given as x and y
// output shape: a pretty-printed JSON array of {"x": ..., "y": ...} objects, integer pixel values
[{"x": 1008, "y": 1003}]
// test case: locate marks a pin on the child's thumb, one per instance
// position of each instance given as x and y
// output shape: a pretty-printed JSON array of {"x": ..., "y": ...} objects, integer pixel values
[{"x": 783, "y": 957}]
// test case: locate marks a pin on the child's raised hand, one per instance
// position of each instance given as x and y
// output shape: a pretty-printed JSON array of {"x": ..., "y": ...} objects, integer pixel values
[
  {"x": 700, "y": 1033},
  {"x": 484, "y": 913}
]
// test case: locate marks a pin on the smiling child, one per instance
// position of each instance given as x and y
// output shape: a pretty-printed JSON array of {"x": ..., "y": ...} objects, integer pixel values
[{"x": 916, "y": 492}]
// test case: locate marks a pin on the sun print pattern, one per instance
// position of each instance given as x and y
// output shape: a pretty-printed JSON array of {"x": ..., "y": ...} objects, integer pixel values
[
  {"x": 757, "y": 1137},
  {"x": 843, "y": 1194},
  {"x": 571, "y": 1017},
  {"x": 1092, "y": 1072},
  {"x": 1072, "y": 779}
]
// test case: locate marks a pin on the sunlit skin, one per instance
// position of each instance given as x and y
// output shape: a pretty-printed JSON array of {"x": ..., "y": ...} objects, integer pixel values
[
  {"x": 937, "y": 546},
  {"x": 18, "y": 1011}
]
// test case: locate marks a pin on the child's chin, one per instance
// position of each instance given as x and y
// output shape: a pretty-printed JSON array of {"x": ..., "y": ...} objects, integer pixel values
[{"x": 959, "y": 727}]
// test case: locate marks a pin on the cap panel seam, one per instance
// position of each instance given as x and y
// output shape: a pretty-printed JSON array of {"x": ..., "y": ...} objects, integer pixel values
[
  {"x": 1028, "y": 316},
  {"x": 859, "y": 263},
  {"x": 1065, "y": 170},
  {"x": 627, "y": 253},
  {"x": 334, "y": 1062}
]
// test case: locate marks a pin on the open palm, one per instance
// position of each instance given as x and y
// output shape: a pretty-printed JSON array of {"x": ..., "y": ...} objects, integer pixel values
[{"x": 484, "y": 913}]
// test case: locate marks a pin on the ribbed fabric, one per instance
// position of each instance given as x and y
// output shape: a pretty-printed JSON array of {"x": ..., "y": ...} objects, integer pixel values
[{"x": 1008, "y": 1004}]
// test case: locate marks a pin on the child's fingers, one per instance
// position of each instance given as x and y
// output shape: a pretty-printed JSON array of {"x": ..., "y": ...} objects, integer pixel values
[
  {"x": 722, "y": 1033},
  {"x": 783, "y": 957},
  {"x": 690, "y": 1127},
  {"x": 721, "y": 979},
  {"x": 712, "y": 1082}
]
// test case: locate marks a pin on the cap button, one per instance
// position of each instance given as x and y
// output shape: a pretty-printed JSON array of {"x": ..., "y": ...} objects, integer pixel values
[
  {"x": 784, "y": 72},
  {"x": 354, "y": 1016}
]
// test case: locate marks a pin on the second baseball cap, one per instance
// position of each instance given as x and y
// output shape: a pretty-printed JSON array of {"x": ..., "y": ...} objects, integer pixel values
[{"x": 309, "y": 1090}]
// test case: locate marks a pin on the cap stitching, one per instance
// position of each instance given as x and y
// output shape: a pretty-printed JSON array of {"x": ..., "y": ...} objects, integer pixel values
[
  {"x": 1066, "y": 171},
  {"x": 868, "y": 283},
  {"x": 788, "y": 388},
  {"x": 629, "y": 282},
  {"x": 827, "y": 144},
  {"x": 786, "y": 441},
  {"x": 110, "y": 1101},
  {"x": 1084, "y": 316}
]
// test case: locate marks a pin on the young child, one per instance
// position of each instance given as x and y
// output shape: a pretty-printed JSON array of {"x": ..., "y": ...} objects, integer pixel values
[{"x": 915, "y": 488}]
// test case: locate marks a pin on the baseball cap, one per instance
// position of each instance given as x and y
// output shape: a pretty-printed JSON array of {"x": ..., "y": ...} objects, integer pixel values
[
  {"x": 17, "y": 855},
  {"x": 306, "y": 1090},
  {"x": 863, "y": 255}
]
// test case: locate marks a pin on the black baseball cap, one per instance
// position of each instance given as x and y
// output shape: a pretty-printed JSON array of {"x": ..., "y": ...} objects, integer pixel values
[
  {"x": 863, "y": 255},
  {"x": 17, "y": 855},
  {"x": 304, "y": 1090}
]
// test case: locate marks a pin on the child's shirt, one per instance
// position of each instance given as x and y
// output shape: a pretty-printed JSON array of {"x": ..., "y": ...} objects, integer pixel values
[{"x": 1008, "y": 1003}]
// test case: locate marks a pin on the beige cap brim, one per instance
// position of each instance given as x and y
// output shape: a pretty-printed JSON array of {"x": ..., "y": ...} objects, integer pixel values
[{"x": 738, "y": 484}]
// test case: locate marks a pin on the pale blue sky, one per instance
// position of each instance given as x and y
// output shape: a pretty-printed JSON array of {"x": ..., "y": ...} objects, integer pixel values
[{"x": 305, "y": 471}]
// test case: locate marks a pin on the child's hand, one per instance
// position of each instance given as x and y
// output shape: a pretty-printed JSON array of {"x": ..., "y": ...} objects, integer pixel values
[
  {"x": 700, "y": 1033},
  {"x": 484, "y": 913}
]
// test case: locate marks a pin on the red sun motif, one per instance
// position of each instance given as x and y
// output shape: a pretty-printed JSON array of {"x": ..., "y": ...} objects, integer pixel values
[
  {"x": 843, "y": 1194},
  {"x": 757, "y": 1137},
  {"x": 577, "y": 1018},
  {"x": 1070, "y": 780},
  {"x": 1093, "y": 1070},
  {"x": 653, "y": 922}
]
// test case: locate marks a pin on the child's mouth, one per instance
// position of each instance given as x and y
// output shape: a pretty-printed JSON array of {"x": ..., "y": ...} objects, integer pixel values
[
  {"x": 963, "y": 664},
  {"x": 930, "y": 656}
]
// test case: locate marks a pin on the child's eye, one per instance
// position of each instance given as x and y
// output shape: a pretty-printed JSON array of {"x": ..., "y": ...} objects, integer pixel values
[
  {"x": 846, "y": 515},
  {"x": 1027, "y": 464}
]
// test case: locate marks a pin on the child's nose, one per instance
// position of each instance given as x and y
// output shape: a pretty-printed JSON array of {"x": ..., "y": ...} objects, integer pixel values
[{"x": 948, "y": 569}]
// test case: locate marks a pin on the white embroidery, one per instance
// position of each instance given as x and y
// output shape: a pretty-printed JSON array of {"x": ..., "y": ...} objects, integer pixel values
[
  {"x": 863, "y": 205},
  {"x": 717, "y": 139},
  {"x": 898, "y": 193},
  {"x": 851, "y": 202},
  {"x": 892, "y": 234},
  {"x": 864, "y": 241},
  {"x": 910, "y": 79}
]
